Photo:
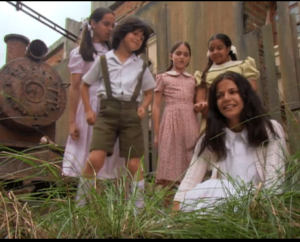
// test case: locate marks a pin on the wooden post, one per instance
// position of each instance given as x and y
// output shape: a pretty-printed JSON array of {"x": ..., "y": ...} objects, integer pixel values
[
  {"x": 286, "y": 56},
  {"x": 250, "y": 48},
  {"x": 145, "y": 127},
  {"x": 295, "y": 48},
  {"x": 163, "y": 44},
  {"x": 288, "y": 73},
  {"x": 272, "y": 82}
]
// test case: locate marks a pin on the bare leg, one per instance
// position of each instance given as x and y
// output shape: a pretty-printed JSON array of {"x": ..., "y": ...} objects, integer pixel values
[
  {"x": 135, "y": 168},
  {"x": 169, "y": 193},
  {"x": 92, "y": 166},
  {"x": 138, "y": 183}
]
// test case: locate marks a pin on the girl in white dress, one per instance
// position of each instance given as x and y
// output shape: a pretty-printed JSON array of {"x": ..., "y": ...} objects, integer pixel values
[
  {"x": 96, "y": 33},
  {"x": 240, "y": 141}
]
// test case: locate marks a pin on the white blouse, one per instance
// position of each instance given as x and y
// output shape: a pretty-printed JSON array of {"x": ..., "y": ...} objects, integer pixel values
[
  {"x": 239, "y": 163},
  {"x": 269, "y": 161}
]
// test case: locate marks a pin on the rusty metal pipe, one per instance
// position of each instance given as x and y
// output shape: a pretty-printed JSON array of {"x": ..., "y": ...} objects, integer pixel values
[
  {"x": 16, "y": 46},
  {"x": 36, "y": 50}
]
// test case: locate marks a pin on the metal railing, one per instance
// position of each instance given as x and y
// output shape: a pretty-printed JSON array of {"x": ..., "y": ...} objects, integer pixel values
[{"x": 21, "y": 6}]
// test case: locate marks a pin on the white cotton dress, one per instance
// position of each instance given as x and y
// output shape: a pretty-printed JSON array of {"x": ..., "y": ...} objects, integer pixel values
[
  {"x": 238, "y": 165},
  {"x": 77, "y": 151}
]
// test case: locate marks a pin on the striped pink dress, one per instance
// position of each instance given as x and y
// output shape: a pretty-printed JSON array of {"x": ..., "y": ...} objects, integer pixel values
[{"x": 179, "y": 126}]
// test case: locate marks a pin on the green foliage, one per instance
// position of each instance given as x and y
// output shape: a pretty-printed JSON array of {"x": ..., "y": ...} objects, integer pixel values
[{"x": 51, "y": 212}]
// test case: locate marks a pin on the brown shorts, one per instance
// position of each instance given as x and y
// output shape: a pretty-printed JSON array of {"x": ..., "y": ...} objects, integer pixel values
[{"x": 118, "y": 119}]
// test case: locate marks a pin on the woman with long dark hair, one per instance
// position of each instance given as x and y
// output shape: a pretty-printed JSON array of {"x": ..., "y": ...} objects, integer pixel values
[{"x": 240, "y": 142}]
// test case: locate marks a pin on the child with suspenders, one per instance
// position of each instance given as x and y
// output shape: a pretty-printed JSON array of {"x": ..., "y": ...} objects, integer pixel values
[{"x": 124, "y": 78}]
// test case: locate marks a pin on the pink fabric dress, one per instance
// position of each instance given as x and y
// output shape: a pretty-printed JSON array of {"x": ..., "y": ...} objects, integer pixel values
[
  {"x": 77, "y": 151},
  {"x": 179, "y": 126}
]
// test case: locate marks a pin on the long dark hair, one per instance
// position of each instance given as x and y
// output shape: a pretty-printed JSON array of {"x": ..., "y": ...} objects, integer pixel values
[
  {"x": 253, "y": 117},
  {"x": 128, "y": 25},
  {"x": 227, "y": 42},
  {"x": 87, "y": 48},
  {"x": 179, "y": 43}
]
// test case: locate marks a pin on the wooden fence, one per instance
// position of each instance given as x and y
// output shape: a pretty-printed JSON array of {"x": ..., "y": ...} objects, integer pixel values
[{"x": 284, "y": 109}]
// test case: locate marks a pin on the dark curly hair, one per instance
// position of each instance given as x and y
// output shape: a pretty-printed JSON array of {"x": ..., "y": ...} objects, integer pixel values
[{"x": 128, "y": 25}]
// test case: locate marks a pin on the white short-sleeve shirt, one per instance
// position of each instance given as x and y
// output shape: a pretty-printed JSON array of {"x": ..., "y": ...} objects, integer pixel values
[
  {"x": 123, "y": 77},
  {"x": 78, "y": 65}
]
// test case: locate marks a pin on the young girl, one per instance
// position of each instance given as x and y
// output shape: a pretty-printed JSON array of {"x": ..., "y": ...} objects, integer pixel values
[
  {"x": 123, "y": 78},
  {"x": 95, "y": 36},
  {"x": 221, "y": 57},
  {"x": 175, "y": 134},
  {"x": 239, "y": 141}
]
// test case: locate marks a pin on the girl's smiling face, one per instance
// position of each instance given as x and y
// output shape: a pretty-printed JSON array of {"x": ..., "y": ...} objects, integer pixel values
[{"x": 218, "y": 52}]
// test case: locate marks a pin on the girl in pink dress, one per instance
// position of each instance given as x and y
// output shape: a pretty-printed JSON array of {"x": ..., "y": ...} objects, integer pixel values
[
  {"x": 177, "y": 131},
  {"x": 95, "y": 36}
]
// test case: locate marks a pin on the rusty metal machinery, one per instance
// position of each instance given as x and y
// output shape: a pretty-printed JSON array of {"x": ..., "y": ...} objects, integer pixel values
[
  {"x": 33, "y": 94},
  {"x": 32, "y": 98}
]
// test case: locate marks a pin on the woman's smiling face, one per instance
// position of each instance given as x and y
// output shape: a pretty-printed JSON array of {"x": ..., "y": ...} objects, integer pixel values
[{"x": 229, "y": 101}]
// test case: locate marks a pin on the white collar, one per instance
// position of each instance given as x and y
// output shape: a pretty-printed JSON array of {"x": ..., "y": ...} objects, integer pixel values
[
  {"x": 230, "y": 137},
  {"x": 176, "y": 73},
  {"x": 224, "y": 65},
  {"x": 110, "y": 54}
]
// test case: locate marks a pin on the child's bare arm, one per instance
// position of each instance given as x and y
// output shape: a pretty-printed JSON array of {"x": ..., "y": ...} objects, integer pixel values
[
  {"x": 156, "y": 115},
  {"x": 253, "y": 83},
  {"x": 74, "y": 96},
  {"x": 90, "y": 114},
  {"x": 201, "y": 102},
  {"x": 200, "y": 94},
  {"x": 156, "y": 111},
  {"x": 148, "y": 96}
]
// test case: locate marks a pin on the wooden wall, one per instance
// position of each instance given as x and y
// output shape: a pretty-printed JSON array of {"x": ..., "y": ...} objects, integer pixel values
[{"x": 194, "y": 22}]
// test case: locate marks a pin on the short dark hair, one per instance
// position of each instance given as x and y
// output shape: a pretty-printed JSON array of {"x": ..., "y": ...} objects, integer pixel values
[
  {"x": 253, "y": 115},
  {"x": 128, "y": 25}
]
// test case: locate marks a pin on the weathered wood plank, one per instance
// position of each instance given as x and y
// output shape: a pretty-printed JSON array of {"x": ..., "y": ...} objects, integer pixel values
[
  {"x": 250, "y": 48},
  {"x": 145, "y": 127},
  {"x": 272, "y": 82},
  {"x": 163, "y": 45},
  {"x": 288, "y": 74},
  {"x": 286, "y": 56},
  {"x": 295, "y": 48}
]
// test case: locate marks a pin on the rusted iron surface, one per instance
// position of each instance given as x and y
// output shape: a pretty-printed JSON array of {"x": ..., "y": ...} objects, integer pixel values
[
  {"x": 31, "y": 94},
  {"x": 36, "y": 50},
  {"x": 16, "y": 46},
  {"x": 18, "y": 139}
]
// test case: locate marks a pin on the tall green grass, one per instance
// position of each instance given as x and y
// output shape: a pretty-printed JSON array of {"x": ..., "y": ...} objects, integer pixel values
[{"x": 52, "y": 213}]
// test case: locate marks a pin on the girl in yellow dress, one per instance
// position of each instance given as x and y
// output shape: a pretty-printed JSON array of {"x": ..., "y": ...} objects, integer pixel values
[{"x": 221, "y": 58}]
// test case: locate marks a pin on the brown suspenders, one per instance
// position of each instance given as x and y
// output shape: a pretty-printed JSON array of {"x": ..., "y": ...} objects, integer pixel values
[
  {"x": 106, "y": 79},
  {"x": 105, "y": 75}
]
